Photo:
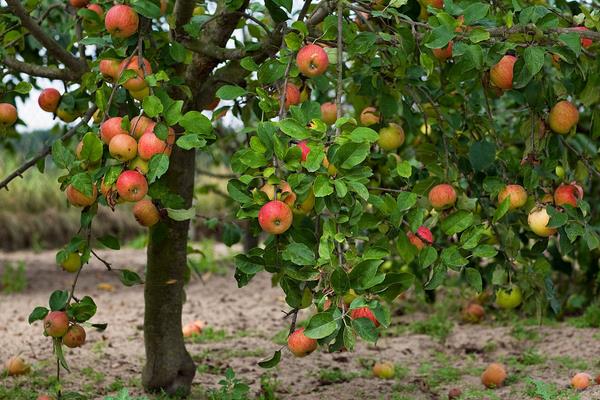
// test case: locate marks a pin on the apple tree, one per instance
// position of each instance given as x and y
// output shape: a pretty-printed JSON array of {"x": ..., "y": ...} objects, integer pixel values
[{"x": 386, "y": 144}]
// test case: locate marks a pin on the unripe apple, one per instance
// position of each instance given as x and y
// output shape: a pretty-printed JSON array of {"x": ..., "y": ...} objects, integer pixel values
[
  {"x": 563, "y": 117},
  {"x": 329, "y": 113},
  {"x": 16, "y": 366},
  {"x": 141, "y": 124},
  {"x": 364, "y": 312},
  {"x": 78, "y": 3},
  {"x": 75, "y": 336},
  {"x": 72, "y": 263},
  {"x": 494, "y": 375},
  {"x": 442, "y": 196},
  {"x": 92, "y": 25},
  {"x": 121, "y": 21},
  {"x": 384, "y": 370},
  {"x": 307, "y": 205},
  {"x": 111, "y": 128},
  {"x": 66, "y": 115},
  {"x": 312, "y": 60},
  {"x": 581, "y": 381},
  {"x": 568, "y": 194},
  {"x": 123, "y": 147},
  {"x": 305, "y": 149},
  {"x": 391, "y": 137},
  {"x": 369, "y": 116},
  {"x": 331, "y": 169},
  {"x": 132, "y": 186},
  {"x": 49, "y": 99},
  {"x": 8, "y": 114},
  {"x": 78, "y": 199},
  {"x": 538, "y": 222},
  {"x": 149, "y": 145},
  {"x": 292, "y": 95},
  {"x": 300, "y": 345},
  {"x": 509, "y": 299},
  {"x": 136, "y": 84},
  {"x": 444, "y": 53},
  {"x": 473, "y": 312},
  {"x": 585, "y": 42},
  {"x": 137, "y": 164},
  {"x": 56, "y": 324},
  {"x": 501, "y": 74},
  {"x": 518, "y": 196},
  {"x": 275, "y": 217},
  {"x": 110, "y": 69},
  {"x": 146, "y": 213},
  {"x": 140, "y": 94}
]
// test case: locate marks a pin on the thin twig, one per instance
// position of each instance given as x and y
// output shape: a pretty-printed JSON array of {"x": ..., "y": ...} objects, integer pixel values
[
  {"x": 102, "y": 260},
  {"x": 589, "y": 166},
  {"x": 340, "y": 64}
]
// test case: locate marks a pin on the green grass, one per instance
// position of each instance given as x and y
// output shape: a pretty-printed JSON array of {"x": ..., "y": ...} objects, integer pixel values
[
  {"x": 437, "y": 326},
  {"x": 14, "y": 278},
  {"x": 549, "y": 391},
  {"x": 589, "y": 319}
]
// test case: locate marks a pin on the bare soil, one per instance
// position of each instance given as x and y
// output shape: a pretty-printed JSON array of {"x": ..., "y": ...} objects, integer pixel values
[{"x": 250, "y": 317}]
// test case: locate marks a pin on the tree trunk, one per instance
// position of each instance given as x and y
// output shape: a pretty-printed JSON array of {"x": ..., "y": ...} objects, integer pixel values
[{"x": 169, "y": 367}]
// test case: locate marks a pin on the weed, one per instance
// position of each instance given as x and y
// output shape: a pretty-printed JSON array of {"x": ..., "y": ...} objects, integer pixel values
[
  {"x": 437, "y": 326},
  {"x": 14, "y": 278},
  {"x": 589, "y": 319},
  {"x": 548, "y": 391},
  {"x": 231, "y": 388}
]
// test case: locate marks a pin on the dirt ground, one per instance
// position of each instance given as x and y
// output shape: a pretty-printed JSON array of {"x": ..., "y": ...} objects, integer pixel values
[{"x": 243, "y": 323}]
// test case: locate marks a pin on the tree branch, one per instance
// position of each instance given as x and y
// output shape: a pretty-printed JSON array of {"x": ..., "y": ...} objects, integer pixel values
[
  {"x": 47, "y": 150},
  {"x": 39, "y": 70},
  {"x": 71, "y": 62}
]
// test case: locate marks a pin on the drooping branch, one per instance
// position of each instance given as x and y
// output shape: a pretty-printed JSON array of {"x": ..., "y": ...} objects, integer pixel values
[
  {"x": 47, "y": 150},
  {"x": 38, "y": 70},
  {"x": 79, "y": 67}
]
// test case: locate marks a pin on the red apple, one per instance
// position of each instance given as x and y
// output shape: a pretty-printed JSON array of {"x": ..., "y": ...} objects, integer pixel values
[
  {"x": 501, "y": 74},
  {"x": 384, "y": 370},
  {"x": 563, "y": 117},
  {"x": 422, "y": 238},
  {"x": 149, "y": 145},
  {"x": 139, "y": 126},
  {"x": 44, "y": 397},
  {"x": 111, "y": 128},
  {"x": 581, "y": 381},
  {"x": 49, "y": 99},
  {"x": 494, "y": 375},
  {"x": 75, "y": 336},
  {"x": 369, "y": 116},
  {"x": 190, "y": 330},
  {"x": 136, "y": 84},
  {"x": 300, "y": 345},
  {"x": 568, "y": 194},
  {"x": 90, "y": 24},
  {"x": 364, "y": 312},
  {"x": 110, "y": 69},
  {"x": 275, "y": 217},
  {"x": 123, "y": 147},
  {"x": 8, "y": 114},
  {"x": 132, "y": 186},
  {"x": 292, "y": 95},
  {"x": 329, "y": 113},
  {"x": 473, "y": 312},
  {"x": 585, "y": 42},
  {"x": 121, "y": 21},
  {"x": 517, "y": 194},
  {"x": 442, "y": 196},
  {"x": 312, "y": 60},
  {"x": 305, "y": 149},
  {"x": 56, "y": 324},
  {"x": 146, "y": 213},
  {"x": 78, "y": 3},
  {"x": 444, "y": 53},
  {"x": 78, "y": 199}
]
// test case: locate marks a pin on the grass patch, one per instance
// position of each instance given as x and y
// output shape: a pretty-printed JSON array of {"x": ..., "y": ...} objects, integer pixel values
[
  {"x": 549, "y": 391},
  {"x": 337, "y": 375},
  {"x": 14, "y": 278},
  {"x": 589, "y": 319},
  {"x": 437, "y": 326}
]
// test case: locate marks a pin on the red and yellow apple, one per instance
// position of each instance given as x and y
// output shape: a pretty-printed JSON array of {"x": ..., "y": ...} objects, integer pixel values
[
  {"x": 8, "y": 114},
  {"x": 329, "y": 113},
  {"x": 123, "y": 147},
  {"x": 111, "y": 128},
  {"x": 121, "y": 21},
  {"x": 78, "y": 199},
  {"x": 391, "y": 137},
  {"x": 364, "y": 312},
  {"x": 146, "y": 213},
  {"x": 132, "y": 186},
  {"x": 493, "y": 376},
  {"x": 275, "y": 217},
  {"x": 312, "y": 60},
  {"x": 75, "y": 336},
  {"x": 501, "y": 74},
  {"x": 563, "y": 117},
  {"x": 568, "y": 194},
  {"x": 369, "y": 116},
  {"x": 49, "y": 99},
  {"x": 538, "y": 222},
  {"x": 299, "y": 344},
  {"x": 56, "y": 324},
  {"x": 442, "y": 196},
  {"x": 517, "y": 194}
]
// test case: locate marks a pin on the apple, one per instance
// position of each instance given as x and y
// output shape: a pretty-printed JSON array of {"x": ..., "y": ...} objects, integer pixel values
[
  {"x": 509, "y": 299},
  {"x": 66, "y": 115},
  {"x": 141, "y": 124},
  {"x": 16, "y": 366},
  {"x": 331, "y": 169},
  {"x": 473, "y": 312},
  {"x": 72, "y": 263},
  {"x": 312, "y": 60},
  {"x": 501, "y": 74},
  {"x": 78, "y": 3},
  {"x": 307, "y": 205},
  {"x": 391, "y": 137},
  {"x": 49, "y": 99},
  {"x": 444, "y": 53},
  {"x": 369, "y": 116},
  {"x": 384, "y": 370},
  {"x": 364, "y": 312},
  {"x": 75, "y": 336},
  {"x": 135, "y": 84},
  {"x": 563, "y": 117},
  {"x": 92, "y": 25},
  {"x": 110, "y": 69},
  {"x": 78, "y": 199},
  {"x": 275, "y": 217},
  {"x": 517, "y": 194},
  {"x": 585, "y": 42},
  {"x": 8, "y": 114},
  {"x": 146, "y": 213},
  {"x": 137, "y": 164},
  {"x": 538, "y": 222},
  {"x": 140, "y": 94},
  {"x": 454, "y": 394},
  {"x": 123, "y": 147},
  {"x": 56, "y": 324},
  {"x": 121, "y": 21},
  {"x": 132, "y": 186},
  {"x": 149, "y": 145},
  {"x": 284, "y": 190},
  {"x": 44, "y": 397},
  {"x": 329, "y": 113},
  {"x": 300, "y": 345},
  {"x": 442, "y": 196},
  {"x": 305, "y": 149},
  {"x": 581, "y": 381},
  {"x": 422, "y": 238},
  {"x": 568, "y": 194},
  {"x": 493, "y": 376},
  {"x": 292, "y": 95},
  {"x": 190, "y": 330},
  {"x": 111, "y": 128}
]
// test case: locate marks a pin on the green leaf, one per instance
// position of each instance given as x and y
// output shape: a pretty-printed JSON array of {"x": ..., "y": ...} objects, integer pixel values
[
  {"x": 23, "y": 87},
  {"x": 129, "y": 278},
  {"x": 457, "y": 222},
  {"x": 557, "y": 218},
  {"x": 58, "y": 300},
  {"x": 320, "y": 325},
  {"x": 452, "y": 258},
  {"x": 482, "y": 155},
  {"x": 146, "y": 8},
  {"x": 322, "y": 186},
  {"x": 293, "y": 129},
  {"x": 83, "y": 183},
  {"x": 475, "y": 12},
  {"x": 299, "y": 254},
  {"x": 239, "y": 192},
  {"x": 110, "y": 241},
  {"x": 573, "y": 42},
  {"x": 173, "y": 112},
  {"x": 440, "y": 36},
  {"x": 406, "y": 200},
  {"x": 362, "y": 134},
  {"x": 340, "y": 281},
  {"x": 365, "y": 329},
  {"x": 82, "y": 310},
  {"x": 62, "y": 157},
  {"x": 485, "y": 251},
  {"x": 404, "y": 169},
  {"x": 181, "y": 214},
  {"x": 534, "y": 59},
  {"x": 152, "y": 106},
  {"x": 248, "y": 265},
  {"x": 351, "y": 154},
  {"x": 502, "y": 209},
  {"x": 249, "y": 64},
  {"x": 349, "y": 338},
  {"x": 157, "y": 167},
  {"x": 230, "y": 92},
  {"x": 92, "y": 148},
  {"x": 271, "y": 362},
  {"x": 195, "y": 122},
  {"x": 474, "y": 279},
  {"x": 427, "y": 256},
  {"x": 191, "y": 141},
  {"x": 38, "y": 314}
]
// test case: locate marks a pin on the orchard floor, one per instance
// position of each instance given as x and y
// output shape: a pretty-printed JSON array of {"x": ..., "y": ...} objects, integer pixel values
[{"x": 432, "y": 352}]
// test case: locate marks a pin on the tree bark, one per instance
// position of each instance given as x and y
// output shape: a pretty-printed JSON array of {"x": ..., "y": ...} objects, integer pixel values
[{"x": 169, "y": 367}]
